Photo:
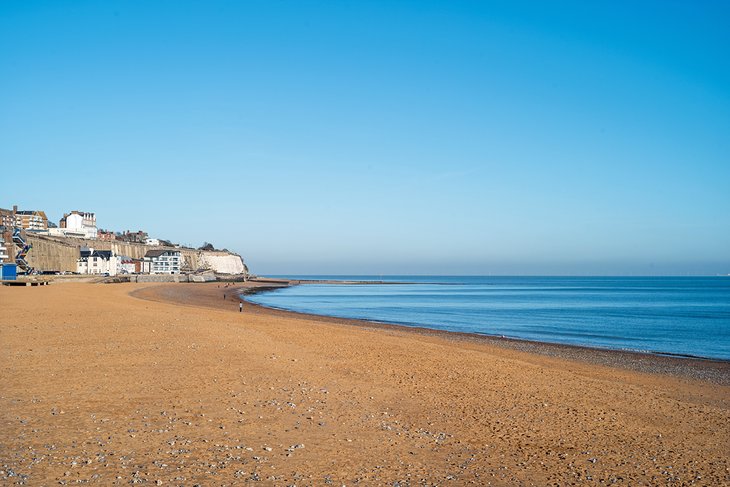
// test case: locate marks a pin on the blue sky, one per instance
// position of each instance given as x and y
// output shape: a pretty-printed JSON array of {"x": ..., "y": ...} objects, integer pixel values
[{"x": 381, "y": 137}]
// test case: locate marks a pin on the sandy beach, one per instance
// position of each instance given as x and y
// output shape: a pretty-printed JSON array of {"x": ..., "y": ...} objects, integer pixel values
[{"x": 169, "y": 384}]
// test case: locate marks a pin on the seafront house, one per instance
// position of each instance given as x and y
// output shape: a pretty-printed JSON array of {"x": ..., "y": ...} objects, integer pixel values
[
  {"x": 100, "y": 262},
  {"x": 80, "y": 224},
  {"x": 128, "y": 265},
  {"x": 162, "y": 262}
]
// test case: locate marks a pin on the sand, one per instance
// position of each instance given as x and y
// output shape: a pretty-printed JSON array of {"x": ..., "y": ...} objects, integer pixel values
[{"x": 105, "y": 387}]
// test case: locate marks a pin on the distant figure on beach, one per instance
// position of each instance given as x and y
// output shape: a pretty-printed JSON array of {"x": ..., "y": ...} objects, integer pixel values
[
  {"x": 240, "y": 307},
  {"x": 224, "y": 295}
]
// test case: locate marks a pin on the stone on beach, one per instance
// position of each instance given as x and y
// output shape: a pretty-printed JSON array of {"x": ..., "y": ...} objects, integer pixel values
[{"x": 207, "y": 399}]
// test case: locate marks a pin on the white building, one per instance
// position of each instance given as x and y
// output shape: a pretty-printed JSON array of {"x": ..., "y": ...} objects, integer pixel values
[
  {"x": 152, "y": 241},
  {"x": 98, "y": 262},
  {"x": 3, "y": 250},
  {"x": 162, "y": 262},
  {"x": 79, "y": 224},
  {"x": 128, "y": 265}
]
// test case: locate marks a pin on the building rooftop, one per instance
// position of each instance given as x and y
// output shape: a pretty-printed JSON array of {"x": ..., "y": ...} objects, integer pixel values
[
  {"x": 157, "y": 253},
  {"x": 104, "y": 254}
]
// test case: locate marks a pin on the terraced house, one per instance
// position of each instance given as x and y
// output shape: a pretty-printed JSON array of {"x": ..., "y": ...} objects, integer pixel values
[{"x": 93, "y": 261}]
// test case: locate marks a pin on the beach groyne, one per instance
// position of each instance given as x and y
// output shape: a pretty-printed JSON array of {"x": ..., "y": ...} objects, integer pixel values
[{"x": 61, "y": 254}]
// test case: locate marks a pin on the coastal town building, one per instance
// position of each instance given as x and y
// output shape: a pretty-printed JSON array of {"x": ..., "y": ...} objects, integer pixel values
[
  {"x": 102, "y": 262},
  {"x": 152, "y": 241},
  {"x": 133, "y": 237},
  {"x": 162, "y": 262},
  {"x": 7, "y": 218},
  {"x": 7, "y": 223},
  {"x": 79, "y": 224},
  {"x": 106, "y": 236},
  {"x": 4, "y": 257},
  {"x": 34, "y": 220},
  {"x": 128, "y": 265}
]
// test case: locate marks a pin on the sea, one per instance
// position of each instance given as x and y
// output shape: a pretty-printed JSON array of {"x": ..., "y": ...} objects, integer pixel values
[{"x": 682, "y": 316}]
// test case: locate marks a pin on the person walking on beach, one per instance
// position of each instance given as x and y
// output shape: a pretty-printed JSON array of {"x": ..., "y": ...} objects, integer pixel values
[{"x": 240, "y": 307}]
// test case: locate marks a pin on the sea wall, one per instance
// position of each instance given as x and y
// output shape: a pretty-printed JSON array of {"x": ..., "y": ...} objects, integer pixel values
[
  {"x": 61, "y": 253},
  {"x": 48, "y": 254},
  {"x": 204, "y": 277}
]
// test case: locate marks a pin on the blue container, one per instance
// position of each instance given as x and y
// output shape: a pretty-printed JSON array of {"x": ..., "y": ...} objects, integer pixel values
[{"x": 8, "y": 272}]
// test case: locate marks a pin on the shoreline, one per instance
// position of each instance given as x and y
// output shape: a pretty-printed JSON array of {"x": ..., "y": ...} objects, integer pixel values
[
  {"x": 694, "y": 368},
  {"x": 284, "y": 282},
  {"x": 169, "y": 384}
]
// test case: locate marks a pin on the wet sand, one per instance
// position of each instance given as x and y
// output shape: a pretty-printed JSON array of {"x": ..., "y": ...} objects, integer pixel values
[
  {"x": 168, "y": 387},
  {"x": 717, "y": 371}
]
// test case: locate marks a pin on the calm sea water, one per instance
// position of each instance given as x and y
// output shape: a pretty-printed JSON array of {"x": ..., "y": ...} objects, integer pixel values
[{"x": 675, "y": 315}]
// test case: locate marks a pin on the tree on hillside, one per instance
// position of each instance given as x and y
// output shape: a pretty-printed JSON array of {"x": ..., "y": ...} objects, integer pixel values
[{"x": 206, "y": 246}]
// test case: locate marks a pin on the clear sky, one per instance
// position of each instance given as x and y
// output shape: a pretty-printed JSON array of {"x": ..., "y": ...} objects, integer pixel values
[{"x": 381, "y": 137}]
